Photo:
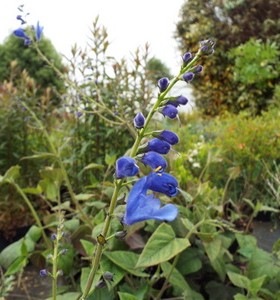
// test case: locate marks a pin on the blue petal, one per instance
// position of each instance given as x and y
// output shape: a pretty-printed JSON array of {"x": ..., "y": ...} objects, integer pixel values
[
  {"x": 149, "y": 208},
  {"x": 126, "y": 167},
  {"x": 38, "y": 31}
]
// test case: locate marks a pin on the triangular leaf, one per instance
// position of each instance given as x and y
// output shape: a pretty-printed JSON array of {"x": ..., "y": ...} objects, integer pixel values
[{"x": 162, "y": 246}]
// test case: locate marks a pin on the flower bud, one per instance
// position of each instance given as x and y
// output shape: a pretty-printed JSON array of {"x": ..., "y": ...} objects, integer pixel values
[
  {"x": 197, "y": 69},
  {"x": 126, "y": 167},
  {"x": 187, "y": 57},
  {"x": 181, "y": 100},
  {"x": 121, "y": 234},
  {"x": 158, "y": 146},
  {"x": 43, "y": 273},
  {"x": 139, "y": 121},
  {"x": 63, "y": 251},
  {"x": 207, "y": 47},
  {"x": 100, "y": 284},
  {"x": 53, "y": 237},
  {"x": 169, "y": 111},
  {"x": 108, "y": 276},
  {"x": 163, "y": 183},
  {"x": 163, "y": 83},
  {"x": 188, "y": 76},
  {"x": 154, "y": 160},
  {"x": 167, "y": 136}
]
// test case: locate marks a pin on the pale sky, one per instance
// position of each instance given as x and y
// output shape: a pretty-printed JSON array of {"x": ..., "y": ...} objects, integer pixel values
[{"x": 130, "y": 24}]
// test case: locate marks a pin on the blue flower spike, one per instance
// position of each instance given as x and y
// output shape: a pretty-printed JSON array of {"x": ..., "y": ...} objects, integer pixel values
[
  {"x": 139, "y": 121},
  {"x": 154, "y": 160},
  {"x": 126, "y": 167},
  {"x": 142, "y": 207},
  {"x": 169, "y": 111}
]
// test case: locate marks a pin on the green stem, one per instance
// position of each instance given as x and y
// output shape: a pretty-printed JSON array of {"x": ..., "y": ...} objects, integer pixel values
[
  {"x": 98, "y": 252},
  {"x": 54, "y": 270},
  {"x": 33, "y": 212}
]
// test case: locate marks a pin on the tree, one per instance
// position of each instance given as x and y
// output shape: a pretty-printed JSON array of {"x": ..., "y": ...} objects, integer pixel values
[
  {"x": 230, "y": 23},
  {"x": 16, "y": 57}
]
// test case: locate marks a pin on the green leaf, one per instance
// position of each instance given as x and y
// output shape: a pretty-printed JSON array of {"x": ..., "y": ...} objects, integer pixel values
[
  {"x": 189, "y": 262},
  {"x": 256, "y": 284},
  {"x": 177, "y": 280},
  {"x": 110, "y": 159},
  {"x": 93, "y": 166},
  {"x": 72, "y": 225},
  {"x": 239, "y": 280},
  {"x": 126, "y": 296},
  {"x": 88, "y": 247},
  {"x": 10, "y": 253},
  {"x": 67, "y": 296},
  {"x": 108, "y": 265},
  {"x": 127, "y": 261},
  {"x": 84, "y": 197},
  {"x": 16, "y": 266},
  {"x": 161, "y": 246},
  {"x": 12, "y": 174},
  {"x": 240, "y": 297},
  {"x": 247, "y": 243}
]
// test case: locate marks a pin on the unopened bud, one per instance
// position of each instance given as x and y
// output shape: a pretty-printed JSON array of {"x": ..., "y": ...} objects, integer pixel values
[
  {"x": 108, "y": 276},
  {"x": 121, "y": 234}
]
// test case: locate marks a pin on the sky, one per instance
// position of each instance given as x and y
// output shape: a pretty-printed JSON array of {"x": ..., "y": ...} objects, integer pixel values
[{"x": 130, "y": 24}]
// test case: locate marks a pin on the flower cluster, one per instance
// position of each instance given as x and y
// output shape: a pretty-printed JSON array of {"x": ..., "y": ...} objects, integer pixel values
[
  {"x": 141, "y": 203},
  {"x": 24, "y": 32}
]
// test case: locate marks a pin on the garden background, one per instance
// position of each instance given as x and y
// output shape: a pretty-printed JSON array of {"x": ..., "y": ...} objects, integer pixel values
[{"x": 65, "y": 122}]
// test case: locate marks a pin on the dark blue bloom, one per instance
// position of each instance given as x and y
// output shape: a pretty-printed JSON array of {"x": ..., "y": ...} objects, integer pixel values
[
  {"x": 38, "y": 31},
  {"x": 167, "y": 136},
  {"x": 163, "y": 83},
  {"x": 158, "y": 146},
  {"x": 181, "y": 100},
  {"x": 139, "y": 121},
  {"x": 141, "y": 207},
  {"x": 197, "y": 69},
  {"x": 163, "y": 183},
  {"x": 207, "y": 47},
  {"x": 169, "y": 111},
  {"x": 188, "y": 76},
  {"x": 187, "y": 57},
  {"x": 126, "y": 167},
  {"x": 43, "y": 273},
  {"x": 21, "y": 34},
  {"x": 154, "y": 160}
]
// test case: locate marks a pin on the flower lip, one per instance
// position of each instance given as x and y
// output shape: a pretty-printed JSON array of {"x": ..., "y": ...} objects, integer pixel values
[{"x": 141, "y": 207}]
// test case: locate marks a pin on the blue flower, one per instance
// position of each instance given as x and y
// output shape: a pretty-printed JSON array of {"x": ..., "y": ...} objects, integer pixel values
[
  {"x": 38, "y": 31},
  {"x": 158, "y": 146},
  {"x": 163, "y": 183},
  {"x": 167, "y": 136},
  {"x": 21, "y": 34},
  {"x": 141, "y": 207},
  {"x": 139, "y": 121},
  {"x": 181, "y": 100},
  {"x": 154, "y": 160},
  {"x": 169, "y": 111},
  {"x": 188, "y": 76},
  {"x": 126, "y": 167},
  {"x": 197, "y": 69},
  {"x": 163, "y": 83},
  {"x": 187, "y": 57}
]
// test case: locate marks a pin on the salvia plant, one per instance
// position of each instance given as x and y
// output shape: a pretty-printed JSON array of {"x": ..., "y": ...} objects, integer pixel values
[{"x": 144, "y": 192}]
